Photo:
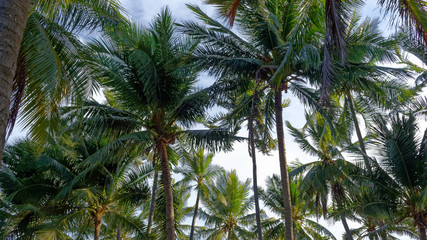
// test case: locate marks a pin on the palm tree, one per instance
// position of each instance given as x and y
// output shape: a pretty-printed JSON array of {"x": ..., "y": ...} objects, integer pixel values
[
  {"x": 28, "y": 195},
  {"x": 109, "y": 192},
  {"x": 197, "y": 168},
  {"x": 181, "y": 194},
  {"x": 13, "y": 13},
  {"x": 248, "y": 104},
  {"x": 304, "y": 228},
  {"x": 277, "y": 53},
  {"x": 154, "y": 98},
  {"x": 43, "y": 66},
  {"x": 106, "y": 191},
  {"x": 226, "y": 209},
  {"x": 365, "y": 88},
  {"x": 403, "y": 175},
  {"x": 329, "y": 175},
  {"x": 376, "y": 219}
]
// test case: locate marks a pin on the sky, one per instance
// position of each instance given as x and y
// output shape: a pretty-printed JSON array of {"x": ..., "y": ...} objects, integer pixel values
[{"x": 143, "y": 11}]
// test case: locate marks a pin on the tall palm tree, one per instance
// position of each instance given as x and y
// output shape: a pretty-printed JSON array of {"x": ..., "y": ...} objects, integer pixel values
[
  {"x": 197, "y": 168},
  {"x": 366, "y": 88},
  {"x": 42, "y": 67},
  {"x": 277, "y": 53},
  {"x": 154, "y": 96},
  {"x": 304, "y": 227},
  {"x": 226, "y": 209},
  {"x": 14, "y": 15},
  {"x": 247, "y": 104}
]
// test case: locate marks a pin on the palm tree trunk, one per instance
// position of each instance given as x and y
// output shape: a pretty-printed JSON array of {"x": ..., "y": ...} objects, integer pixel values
[
  {"x": 13, "y": 18},
  {"x": 289, "y": 234},
  {"x": 153, "y": 201},
  {"x": 358, "y": 132},
  {"x": 167, "y": 182},
  {"x": 196, "y": 209},
  {"x": 347, "y": 229},
  {"x": 422, "y": 232},
  {"x": 339, "y": 201},
  {"x": 119, "y": 230},
  {"x": 252, "y": 153},
  {"x": 98, "y": 222}
]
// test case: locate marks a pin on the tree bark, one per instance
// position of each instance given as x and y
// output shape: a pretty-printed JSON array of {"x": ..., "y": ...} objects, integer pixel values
[
  {"x": 13, "y": 18},
  {"x": 153, "y": 201},
  {"x": 252, "y": 153},
  {"x": 346, "y": 228},
  {"x": 167, "y": 182},
  {"x": 358, "y": 132},
  {"x": 289, "y": 234},
  {"x": 196, "y": 209},
  {"x": 422, "y": 232},
  {"x": 119, "y": 230},
  {"x": 98, "y": 223}
]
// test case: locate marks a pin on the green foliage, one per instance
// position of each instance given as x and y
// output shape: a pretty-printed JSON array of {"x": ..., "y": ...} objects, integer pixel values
[{"x": 226, "y": 209}]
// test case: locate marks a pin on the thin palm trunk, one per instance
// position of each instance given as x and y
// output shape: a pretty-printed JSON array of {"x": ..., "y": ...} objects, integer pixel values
[
  {"x": 98, "y": 223},
  {"x": 289, "y": 234},
  {"x": 167, "y": 186},
  {"x": 252, "y": 153},
  {"x": 346, "y": 228},
  {"x": 196, "y": 209},
  {"x": 13, "y": 18},
  {"x": 339, "y": 201},
  {"x": 119, "y": 230},
  {"x": 383, "y": 234},
  {"x": 422, "y": 232},
  {"x": 358, "y": 132},
  {"x": 153, "y": 200}
]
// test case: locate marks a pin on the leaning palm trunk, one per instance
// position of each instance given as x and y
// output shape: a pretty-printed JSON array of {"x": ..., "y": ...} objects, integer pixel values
[
  {"x": 346, "y": 228},
  {"x": 289, "y": 234},
  {"x": 339, "y": 201},
  {"x": 358, "y": 132},
  {"x": 167, "y": 183},
  {"x": 252, "y": 153},
  {"x": 196, "y": 209},
  {"x": 13, "y": 18},
  {"x": 153, "y": 201}
]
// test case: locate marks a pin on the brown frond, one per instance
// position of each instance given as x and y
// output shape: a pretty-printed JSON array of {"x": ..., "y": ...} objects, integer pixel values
[{"x": 18, "y": 90}]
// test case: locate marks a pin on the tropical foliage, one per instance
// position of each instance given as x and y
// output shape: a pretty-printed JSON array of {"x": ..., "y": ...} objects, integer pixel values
[{"x": 140, "y": 163}]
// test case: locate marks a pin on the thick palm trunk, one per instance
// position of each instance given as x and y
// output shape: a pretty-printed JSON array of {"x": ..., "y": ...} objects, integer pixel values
[
  {"x": 422, "y": 232},
  {"x": 289, "y": 234},
  {"x": 13, "y": 18},
  {"x": 196, "y": 209},
  {"x": 153, "y": 201},
  {"x": 167, "y": 185},
  {"x": 252, "y": 153},
  {"x": 97, "y": 222},
  {"x": 346, "y": 228},
  {"x": 358, "y": 132}
]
